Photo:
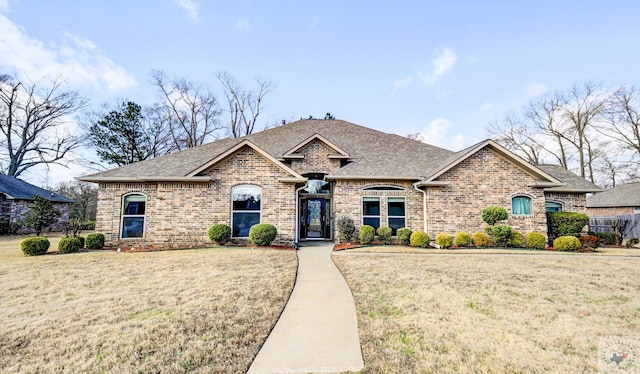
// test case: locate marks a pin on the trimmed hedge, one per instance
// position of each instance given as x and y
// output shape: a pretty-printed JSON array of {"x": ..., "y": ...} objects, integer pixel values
[
  {"x": 384, "y": 234},
  {"x": 516, "y": 240},
  {"x": 493, "y": 214},
  {"x": 567, "y": 243},
  {"x": 82, "y": 240},
  {"x": 462, "y": 239},
  {"x": 262, "y": 234},
  {"x": 95, "y": 241},
  {"x": 444, "y": 240},
  {"x": 69, "y": 245},
  {"x": 500, "y": 234},
  {"x": 35, "y": 246},
  {"x": 535, "y": 240},
  {"x": 606, "y": 238},
  {"x": 480, "y": 239},
  {"x": 404, "y": 236},
  {"x": 419, "y": 239},
  {"x": 566, "y": 223},
  {"x": 367, "y": 233},
  {"x": 220, "y": 233}
]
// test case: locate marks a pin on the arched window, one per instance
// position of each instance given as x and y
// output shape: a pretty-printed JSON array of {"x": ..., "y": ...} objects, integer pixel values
[
  {"x": 133, "y": 215},
  {"x": 245, "y": 209},
  {"x": 552, "y": 206},
  {"x": 521, "y": 205}
]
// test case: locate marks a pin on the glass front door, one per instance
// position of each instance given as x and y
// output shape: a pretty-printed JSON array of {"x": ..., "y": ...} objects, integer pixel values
[{"x": 315, "y": 218}]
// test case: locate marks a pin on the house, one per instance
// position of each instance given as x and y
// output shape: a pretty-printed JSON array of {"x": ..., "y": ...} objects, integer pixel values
[
  {"x": 16, "y": 196},
  {"x": 622, "y": 199},
  {"x": 303, "y": 176}
]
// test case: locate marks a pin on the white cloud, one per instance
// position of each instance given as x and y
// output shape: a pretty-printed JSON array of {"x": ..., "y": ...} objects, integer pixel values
[
  {"x": 190, "y": 6},
  {"x": 442, "y": 65},
  {"x": 75, "y": 59},
  {"x": 402, "y": 83},
  {"x": 437, "y": 133},
  {"x": 242, "y": 25},
  {"x": 4, "y": 5},
  {"x": 534, "y": 88}
]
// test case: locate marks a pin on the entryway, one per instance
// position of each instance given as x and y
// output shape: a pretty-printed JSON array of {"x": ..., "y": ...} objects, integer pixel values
[{"x": 315, "y": 218}]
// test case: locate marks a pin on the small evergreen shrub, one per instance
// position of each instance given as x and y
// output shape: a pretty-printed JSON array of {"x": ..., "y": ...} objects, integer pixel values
[
  {"x": 35, "y": 246},
  {"x": 419, "y": 239},
  {"x": 404, "y": 235},
  {"x": 68, "y": 245},
  {"x": 567, "y": 243},
  {"x": 500, "y": 234},
  {"x": 566, "y": 223},
  {"x": 346, "y": 229},
  {"x": 444, "y": 240},
  {"x": 493, "y": 214},
  {"x": 367, "y": 233},
  {"x": 88, "y": 225},
  {"x": 606, "y": 238},
  {"x": 462, "y": 239},
  {"x": 82, "y": 240},
  {"x": 262, "y": 234},
  {"x": 516, "y": 240},
  {"x": 631, "y": 242},
  {"x": 535, "y": 240},
  {"x": 384, "y": 234},
  {"x": 220, "y": 233},
  {"x": 589, "y": 241},
  {"x": 95, "y": 241},
  {"x": 480, "y": 239}
]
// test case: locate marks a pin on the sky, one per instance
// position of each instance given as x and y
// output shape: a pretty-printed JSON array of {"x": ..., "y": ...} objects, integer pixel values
[{"x": 444, "y": 69}]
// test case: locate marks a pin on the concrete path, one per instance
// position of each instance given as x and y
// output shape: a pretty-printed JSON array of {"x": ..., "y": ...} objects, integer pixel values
[{"x": 318, "y": 330}]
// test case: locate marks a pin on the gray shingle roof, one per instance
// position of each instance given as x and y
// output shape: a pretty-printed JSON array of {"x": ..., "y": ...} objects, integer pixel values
[
  {"x": 574, "y": 183},
  {"x": 623, "y": 195},
  {"x": 21, "y": 190}
]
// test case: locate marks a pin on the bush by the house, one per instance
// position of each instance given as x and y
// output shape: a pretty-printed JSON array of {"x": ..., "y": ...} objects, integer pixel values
[
  {"x": 444, "y": 240},
  {"x": 68, "y": 245},
  {"x": 404, "y": 235},
  {"x": 462, "y": 239},
  {"x": 567, "y": 243},
  {"x": 95, "y": 241},
  {"x": 419, "y": 239},
  {"x": 220, "y": 233},
  {"x": 631, "y": 242},
  {"x": 262, "y": 234},
  {"x": 346, "y": 229},
  {"x": 89, "y": 225},
  {"x": 82, "y": 240},
  {"x": 606, "y": 238},
  {"x": 589, "y": 241},
  {"x": 35, "y": 246},
  {"x": 384, "y": 234},
  {"x": 493, "y": 214},
  {"x": 500, "y": 234},
  {"x": 535, "y": 240},
  {"x": 367, "y": 233},
  {"x": 516, "y": 240},
  {"x": 480, "y": 239},
  {"x": 566, "y": 223}
]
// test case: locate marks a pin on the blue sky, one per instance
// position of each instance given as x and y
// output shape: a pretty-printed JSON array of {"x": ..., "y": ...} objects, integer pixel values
[{"x": 444, "y": 69}]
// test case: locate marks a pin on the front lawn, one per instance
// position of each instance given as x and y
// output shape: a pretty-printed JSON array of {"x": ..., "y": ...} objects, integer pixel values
[{"x": 208, "y": 310}]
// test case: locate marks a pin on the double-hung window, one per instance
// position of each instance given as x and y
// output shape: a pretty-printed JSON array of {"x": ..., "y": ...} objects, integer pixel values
[
  {"x": 371, "y": 211},
  {"x": 245, "y": 209},
  {"x": 396, "y": 215},
  {"x": 133, "y": 215}
]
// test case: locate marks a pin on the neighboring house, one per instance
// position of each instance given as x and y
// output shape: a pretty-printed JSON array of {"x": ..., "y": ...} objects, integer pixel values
[
  {"x": 16, "y": 196},
  {"x": 303, "y": 176},
  {"x": 623, "y": 199}
]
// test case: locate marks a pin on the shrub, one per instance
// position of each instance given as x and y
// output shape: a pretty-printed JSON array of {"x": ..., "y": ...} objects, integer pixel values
[
  {"x": 89, "y": 225},
  {"x": 631, "y": 242},
  {"x": 589, "y": 241},
  {"x": 404, "y": 235},
  {"x": 68, "y": 245},
  {"x": 367, "y": 233},
  {"x": 501, "y": 234},
  {"x": 41, "y": 214},
  {"x": 82, "y": 240},
  {"x": 444, "y": 240},
  {"x": 95, "y": 241},
  {"x": 567, "y": 243},
  {"x": 346, "y": 229},
  {"x": 462, "y": 239},
  {"x": 35, "y": 246},
  {"x": 480, "y": 239},
  {"x": 220, "y": 233},
  {"x": 262, "y": 234},
  {"x": 516, "y": 240},
  {"x": 606, "y": 238},
  {"x": 419, "y": 239},
  {"x": 535, "y": 240},
  {"x": 384, "y": 234},
  {"x": 493, "y": 214},
  {"x": 566, "y": 223}
]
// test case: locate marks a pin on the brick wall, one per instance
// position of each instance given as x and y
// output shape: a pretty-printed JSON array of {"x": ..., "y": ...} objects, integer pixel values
[
  {"x": 610, "y": 211},
  {"x": 571, "y": 202},
  {"x": 316, "y": 159}
]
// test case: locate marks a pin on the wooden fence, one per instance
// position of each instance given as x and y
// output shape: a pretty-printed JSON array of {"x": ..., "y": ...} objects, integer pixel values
[{"x": 606, "y": 224}]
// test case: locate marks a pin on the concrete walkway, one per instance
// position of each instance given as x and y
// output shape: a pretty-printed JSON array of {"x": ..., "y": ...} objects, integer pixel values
[{"x": 318, "y": 330}]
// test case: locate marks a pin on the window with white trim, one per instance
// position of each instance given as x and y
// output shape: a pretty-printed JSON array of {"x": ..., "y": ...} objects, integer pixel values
[
  {"x": 371, "y": 211},
  {"x": 133, "y": 215},
  {"x": 245, "y": 209},
  {"x": 396, "y": 213},
  {"x": 521, "y": 205},
  {"x": 552, "y": 206}
]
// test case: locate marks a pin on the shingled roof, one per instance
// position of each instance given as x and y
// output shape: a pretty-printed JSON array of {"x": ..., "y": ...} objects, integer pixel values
[
  {"x": 18, "y": 189},
  {"x": 572, "y": 182},
  {"x": 626, "y": 195}
]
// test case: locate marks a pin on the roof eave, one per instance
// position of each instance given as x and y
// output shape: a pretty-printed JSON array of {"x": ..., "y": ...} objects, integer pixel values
[
  {"x": 140, "y": 179},
  {"x": 432, "y": 184},
  {"x": 573, "y": 190},
  {"x": 370, "y": 177}
]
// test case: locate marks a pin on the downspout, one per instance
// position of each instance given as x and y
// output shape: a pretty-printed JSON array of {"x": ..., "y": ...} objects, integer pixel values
[
  {"x": 296, "y": 245},
  {"x": 424, "y": 207}
]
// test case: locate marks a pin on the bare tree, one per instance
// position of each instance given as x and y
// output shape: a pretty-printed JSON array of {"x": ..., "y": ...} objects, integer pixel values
[
  {"x": 545, "y": 115},
  {"x": 517, "y": 136},
  {"x": 190, "y": 109},
  {"x": 623, "y": 119},
  {"x": 243, "y": 106},
  {"x": 32, "y": 117}
]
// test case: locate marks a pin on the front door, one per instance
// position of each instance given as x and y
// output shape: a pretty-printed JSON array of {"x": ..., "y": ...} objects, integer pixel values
[{"x": 314, "y": 218}]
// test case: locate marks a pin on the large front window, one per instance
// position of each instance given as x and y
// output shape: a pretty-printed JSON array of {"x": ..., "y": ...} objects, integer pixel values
[
  {"x": 396, "y": 213},
  {"x": 245, "y": 210},
  {"x": 371, "y": 211},
  {"x": 521, "y": 205},
  {"x": 133, "y": 210}
]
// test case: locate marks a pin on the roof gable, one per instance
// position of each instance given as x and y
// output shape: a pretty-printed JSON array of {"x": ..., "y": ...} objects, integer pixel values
[
  {"x": 339, "y": 153},
  {"x": 625, "y": 195}
]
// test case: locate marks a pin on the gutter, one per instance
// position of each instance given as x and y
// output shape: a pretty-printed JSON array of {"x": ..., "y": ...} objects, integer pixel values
[
  {"x": 424, "y": 207},
  {"x": 296, "y": 238}
]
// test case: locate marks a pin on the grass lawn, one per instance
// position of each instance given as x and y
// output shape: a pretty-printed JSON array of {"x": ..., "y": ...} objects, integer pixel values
[
  {"x": 490, "y": 313},
  {"x": 206, "y": 310}
]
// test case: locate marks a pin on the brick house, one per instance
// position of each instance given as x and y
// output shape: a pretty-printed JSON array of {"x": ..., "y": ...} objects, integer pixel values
[
  {"x": 622, "y": 199},
  {"x": 303, "y": 176}
]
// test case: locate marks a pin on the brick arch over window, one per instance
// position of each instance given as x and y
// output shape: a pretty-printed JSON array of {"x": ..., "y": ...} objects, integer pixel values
[
  {"x": 133, "y": 215},
  {"x": 521, "y": 205}
]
